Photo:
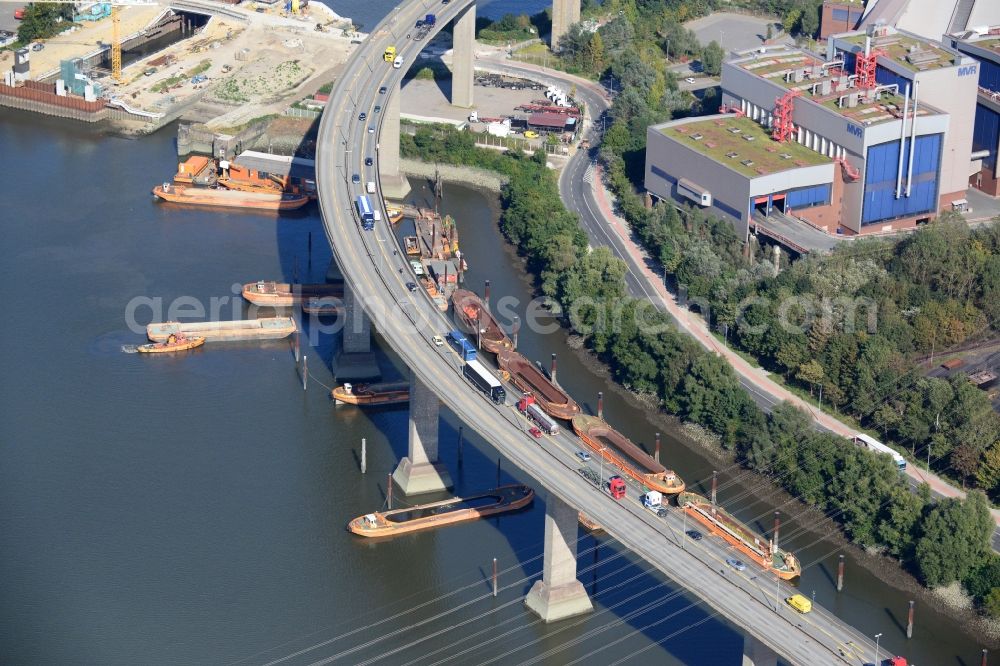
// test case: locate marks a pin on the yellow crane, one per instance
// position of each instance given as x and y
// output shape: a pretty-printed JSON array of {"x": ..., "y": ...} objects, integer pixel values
[{"x": 116, "y": 43}]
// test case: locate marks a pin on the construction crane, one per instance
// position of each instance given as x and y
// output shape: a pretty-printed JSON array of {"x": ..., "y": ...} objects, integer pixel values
[{"x": 116, "y": 43}]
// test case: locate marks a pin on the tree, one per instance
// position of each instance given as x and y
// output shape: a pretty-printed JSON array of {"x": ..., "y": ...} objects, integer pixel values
[
  {"x": 956, "y": 539},
  {"x": 711, "y": 58},
  {"x": 988, "y": 475},
  {"x": 810, "y": 372},
  {"x": 791, "y": 20},
  {"x": 770, "y": 32},
  {"x": 809, "y": 21},
  {"x": 965, "y": 461}
]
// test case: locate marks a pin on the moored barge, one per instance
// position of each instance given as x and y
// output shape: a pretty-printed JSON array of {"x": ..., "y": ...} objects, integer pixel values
[
  {"x": 528, "y": 378},
  {"x": 273, "y": 294},
  {"x": 721, "y": 523},
  {"x": 619, "y": 451},
  {"x": 265, "y": 328},
  {"x": 223, "y": 198},
  {"x": 475, "y": 317},
  {"x": 369, "y": 395},
  {"x": 444, "y": 512}
]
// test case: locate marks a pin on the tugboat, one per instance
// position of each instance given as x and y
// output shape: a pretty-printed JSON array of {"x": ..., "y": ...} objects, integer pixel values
[
  {"x": 173, "y": 343},
  {"x": 619, "y": 451},
  {"x": 445, "y": 512}
]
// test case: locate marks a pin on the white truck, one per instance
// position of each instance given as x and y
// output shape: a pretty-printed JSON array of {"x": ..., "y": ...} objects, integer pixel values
[
  {"x": 652, "y": 500},
  {"x": 370, "y": 187}
]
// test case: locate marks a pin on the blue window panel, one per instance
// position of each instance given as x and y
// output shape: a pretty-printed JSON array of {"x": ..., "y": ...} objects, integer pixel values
[
  {"x": 989, "y": 75},
  {"x": 839, "y": 15},
  {"x": 803, "y": 197},
  {"x": 986, "y": 133},
  {"x": 880, "y": 202},
  {"x": 887, "y": 77},
  {"x": 855, "y": 16}
]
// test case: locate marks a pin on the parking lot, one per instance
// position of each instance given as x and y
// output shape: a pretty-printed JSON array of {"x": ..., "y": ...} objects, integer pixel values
[{"x": 734, "y": 32}]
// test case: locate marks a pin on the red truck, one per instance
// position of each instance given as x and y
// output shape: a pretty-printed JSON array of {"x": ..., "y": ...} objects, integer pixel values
[
  {"x": 19, "y": 13},
  {"x": 615, "y": 487}
]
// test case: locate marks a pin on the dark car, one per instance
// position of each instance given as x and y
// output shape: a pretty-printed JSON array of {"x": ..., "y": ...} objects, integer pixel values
[
  {"x": 362, "y": 116},
  {"x": 412, "y": 286},
  {"x": 663, "y": 512},
  {"x": 378, "y": 108},
  {"x": 694, "y": 534},
  {"x": 383, "y": 90},
  {"x": 369, "y": 161},
  {"x": 356, "y": 178}
]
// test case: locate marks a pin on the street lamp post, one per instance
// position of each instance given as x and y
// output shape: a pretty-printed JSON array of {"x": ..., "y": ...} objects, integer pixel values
[{"x": 877, "y": 636}]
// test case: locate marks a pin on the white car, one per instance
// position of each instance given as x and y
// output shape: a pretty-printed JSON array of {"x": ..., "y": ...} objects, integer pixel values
[
  {"x": 689, "y": 79},
  {"x": 437, "y": 340}
]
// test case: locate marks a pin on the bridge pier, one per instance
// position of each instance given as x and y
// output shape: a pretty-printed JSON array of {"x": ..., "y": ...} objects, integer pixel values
[
  {"x": 394, "y": 184},
  {"x": 463, "y": 57},
  {"x": 559, "y": 595},
  {"x": 420, "y": 471},
  {"x": 355, "y": 361},
  {"x": 564, "y": 14},
  {"x": 756, "y": 653}
]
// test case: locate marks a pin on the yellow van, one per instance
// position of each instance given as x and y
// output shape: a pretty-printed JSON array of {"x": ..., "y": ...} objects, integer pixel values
[
  {"x": 390, "y": 54},
  {"x": 799, "y": 603}
]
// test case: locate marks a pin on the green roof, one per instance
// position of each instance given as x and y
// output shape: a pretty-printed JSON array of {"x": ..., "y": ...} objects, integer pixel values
[
  {"x": 717, "y": 139},
  {"x": 898, "y": 46}
]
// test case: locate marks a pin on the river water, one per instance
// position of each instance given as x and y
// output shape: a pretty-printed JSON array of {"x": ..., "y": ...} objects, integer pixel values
[{"x": 191, "y": 509}]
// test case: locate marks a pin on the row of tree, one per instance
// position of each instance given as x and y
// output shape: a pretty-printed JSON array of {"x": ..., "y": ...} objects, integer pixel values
[{"x": 941, "y": 542}]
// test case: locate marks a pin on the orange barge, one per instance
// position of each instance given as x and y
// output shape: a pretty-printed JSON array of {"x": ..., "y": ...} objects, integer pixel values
[
  {"x": 445, "y": 512},
  {"x": 719, "y": 522},
  {"x": 370, "y": 395},
  {"x": 475, "y": 317},
  {"x": 529, "y": 379},
  {"x": 223, "y": 198},
  {"x": 619, "y": 451},
  {"x": 284, "y": 294}
]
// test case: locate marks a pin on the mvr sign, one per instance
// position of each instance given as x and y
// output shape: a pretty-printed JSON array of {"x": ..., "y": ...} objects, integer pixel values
[
  {"x": 855, "y": 130},
  {"x": 967, "y": 70}
]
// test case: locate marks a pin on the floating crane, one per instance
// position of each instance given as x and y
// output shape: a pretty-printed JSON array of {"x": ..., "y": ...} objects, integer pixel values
[{"x": 116, "y": 43}]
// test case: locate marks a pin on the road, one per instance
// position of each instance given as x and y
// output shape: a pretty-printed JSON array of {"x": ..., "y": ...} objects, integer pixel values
[
  {"x": 582, "y": 192},
  {"x": 376, "y": 270}
]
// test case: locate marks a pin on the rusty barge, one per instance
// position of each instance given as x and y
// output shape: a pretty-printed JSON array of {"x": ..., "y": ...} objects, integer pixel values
[
  {"x": 529, "y": 379},
  {"x": 371, "y": 395},
  {"x": 474, "y": 316},
  {"x": 621, "y": 452},
  {"x": 718, "y": 521},
  {"x": 223, "y": 198},
  {"x": 444, "y": 512},
  {"x": 273, "y": 294}
]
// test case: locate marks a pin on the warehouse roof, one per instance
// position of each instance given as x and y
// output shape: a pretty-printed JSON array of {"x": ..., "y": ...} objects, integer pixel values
[
  {"x": 556, "y": 121},
  {"x": 910, "y": 51},
  {"x": 742, "y": 145}
]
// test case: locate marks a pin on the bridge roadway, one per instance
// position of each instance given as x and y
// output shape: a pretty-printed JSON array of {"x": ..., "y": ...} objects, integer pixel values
[{"x": 371, "y": 266}]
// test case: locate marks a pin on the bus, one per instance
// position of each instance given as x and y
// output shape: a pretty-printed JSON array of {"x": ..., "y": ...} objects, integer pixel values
[
  {"x": 365, "y": 212},
  {"x": 484, "y": 380},
  {"x": 873, "y": 444}
]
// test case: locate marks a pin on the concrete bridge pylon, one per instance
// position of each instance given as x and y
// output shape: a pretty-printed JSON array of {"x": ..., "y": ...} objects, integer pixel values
[
  {"x": 463, "y": 58},
  {"x": 394, "y": 184},
  {"x": 420, "y": 471},
  {"x": 559, "y": 595},
  {"x": 564, "y": 14},
  {"x": 756, "y": 653}
]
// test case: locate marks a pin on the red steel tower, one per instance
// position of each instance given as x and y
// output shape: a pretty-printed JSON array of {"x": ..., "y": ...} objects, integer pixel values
[
  {"x": 783, "y": 127},
  {"x": 864, "y": 69}
]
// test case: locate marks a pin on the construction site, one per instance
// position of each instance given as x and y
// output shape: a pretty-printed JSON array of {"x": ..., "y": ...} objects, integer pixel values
[{"x": 141, "y": 66}]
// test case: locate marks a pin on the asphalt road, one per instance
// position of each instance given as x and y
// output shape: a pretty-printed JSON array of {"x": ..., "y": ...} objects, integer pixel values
[{"x": 377, "y": 272}]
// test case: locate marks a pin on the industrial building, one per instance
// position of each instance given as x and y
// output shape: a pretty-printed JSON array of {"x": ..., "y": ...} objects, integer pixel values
[
  {"x": 984, "y": 45},
  {"x": 824, "y": 144},
  {"x": 930, "y": 18}
]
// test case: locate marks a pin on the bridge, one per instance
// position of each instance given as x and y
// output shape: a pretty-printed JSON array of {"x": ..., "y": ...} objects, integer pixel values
[{"x": 375, "y": 274}]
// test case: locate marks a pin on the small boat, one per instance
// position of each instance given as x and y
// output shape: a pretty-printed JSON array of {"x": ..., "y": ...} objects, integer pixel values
[
  {"x": 368, "y": 395},
  {"x": 284, "y": 294},
  {"x": 180, "y": 344},
  {"x": 265, "y": 328},
  {"x": 720, "y": 522},
  {"x": 412, "y": 245},
  {"x": 529, "y": 379},
  {"x": 474, "y": 316},
  {"x": 223, "y": 198},
  {"x": 445, "y": 512},
  {"x": 621, "y": 452}
]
